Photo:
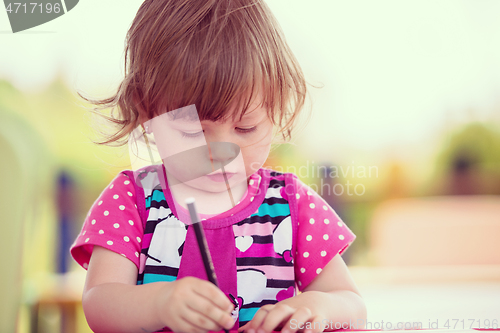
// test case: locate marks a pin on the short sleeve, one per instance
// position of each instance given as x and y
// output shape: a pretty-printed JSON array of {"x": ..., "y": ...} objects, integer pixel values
[
  {"x": 113, "y": 222},
  {"x": 321, "y": 234}
]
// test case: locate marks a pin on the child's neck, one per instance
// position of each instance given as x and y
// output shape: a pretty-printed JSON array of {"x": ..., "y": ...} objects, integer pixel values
[{"x": 209, "y": 203}]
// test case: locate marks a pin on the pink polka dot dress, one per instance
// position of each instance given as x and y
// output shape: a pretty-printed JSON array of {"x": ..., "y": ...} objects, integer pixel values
[
  {"x": 113, "y": 223},
  {"x": 275, "y": 241}
]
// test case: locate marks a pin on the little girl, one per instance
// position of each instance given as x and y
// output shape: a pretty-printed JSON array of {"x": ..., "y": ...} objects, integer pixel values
[{"x": 209, "y": 85}]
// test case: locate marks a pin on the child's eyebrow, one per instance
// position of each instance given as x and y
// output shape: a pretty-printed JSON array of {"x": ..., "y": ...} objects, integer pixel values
[{"x": 235, "y": 118}]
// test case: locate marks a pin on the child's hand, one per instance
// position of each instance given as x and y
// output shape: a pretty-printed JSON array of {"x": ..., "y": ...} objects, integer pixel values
[
  {"x": 280, "y": 315},
  {"x": 332, "y": 298},
  {"x": 194, "y": 305}
]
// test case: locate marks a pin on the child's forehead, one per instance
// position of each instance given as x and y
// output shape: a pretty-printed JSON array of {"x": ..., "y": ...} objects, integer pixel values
[
  {"x": 188, "y": 118},
  {"x": 235, "y": 113}
]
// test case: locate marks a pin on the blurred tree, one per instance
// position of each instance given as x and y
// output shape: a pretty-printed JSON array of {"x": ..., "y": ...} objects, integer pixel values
[
  {"x": 396, "y": 185},
  {"x": 469, "y": 162}
]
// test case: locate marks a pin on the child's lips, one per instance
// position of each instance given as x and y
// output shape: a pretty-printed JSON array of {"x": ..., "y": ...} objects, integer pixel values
[{"x": 219, "y": 177}]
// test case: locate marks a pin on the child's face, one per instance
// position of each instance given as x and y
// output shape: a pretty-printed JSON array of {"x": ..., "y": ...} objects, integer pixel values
[{"x": 191, "y": 150}]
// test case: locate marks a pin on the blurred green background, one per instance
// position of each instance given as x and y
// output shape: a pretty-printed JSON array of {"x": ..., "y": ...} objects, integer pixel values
[{"x": 57, "y": 128}]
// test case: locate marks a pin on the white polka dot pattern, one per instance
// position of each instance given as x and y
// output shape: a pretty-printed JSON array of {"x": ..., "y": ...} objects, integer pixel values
[
  {"x": 317, "y": 243},
  {"x": 112, "y": 223},
  {"x": 320, "y": 235}
]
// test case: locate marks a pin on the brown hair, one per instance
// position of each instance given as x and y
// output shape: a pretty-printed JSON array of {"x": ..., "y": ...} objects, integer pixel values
[{"x": 211, "y": 53}]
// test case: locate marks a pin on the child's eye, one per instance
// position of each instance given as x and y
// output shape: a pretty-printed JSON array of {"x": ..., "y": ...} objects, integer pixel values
[
  {"x": 246, "y": 130},
  {"x": 191, "y": 135},
  {"x": 200, "y": 133}
]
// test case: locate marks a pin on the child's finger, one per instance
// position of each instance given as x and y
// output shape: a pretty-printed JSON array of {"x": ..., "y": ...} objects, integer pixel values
[
  {"x": 298, "y": 321},
  {"x": 279, "y": 314},
  {"x": 205, "y": 314},
  {"x": 243, "y": 328},
  {"x": 209, "y": 291},
  {"x": 316, "y": 328},
  {"x": 258, "y": 318},
  {"x": 186, "y": 326}
]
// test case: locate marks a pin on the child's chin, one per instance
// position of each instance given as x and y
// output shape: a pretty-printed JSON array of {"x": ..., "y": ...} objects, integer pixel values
[{"x": 209, "y": 185}]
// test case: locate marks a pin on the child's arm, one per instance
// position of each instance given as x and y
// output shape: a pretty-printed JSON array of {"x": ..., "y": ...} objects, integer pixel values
[
  {"x": 112, "y": 301},
  {"x": 332, "y": 297}
]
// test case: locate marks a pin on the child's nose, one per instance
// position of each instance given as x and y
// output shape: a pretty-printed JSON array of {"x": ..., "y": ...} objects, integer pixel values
[{"x": 223, "y": 152}]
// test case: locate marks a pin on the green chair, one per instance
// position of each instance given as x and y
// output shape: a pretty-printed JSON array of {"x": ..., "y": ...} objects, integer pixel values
[{"x": 20, "y": 167}]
